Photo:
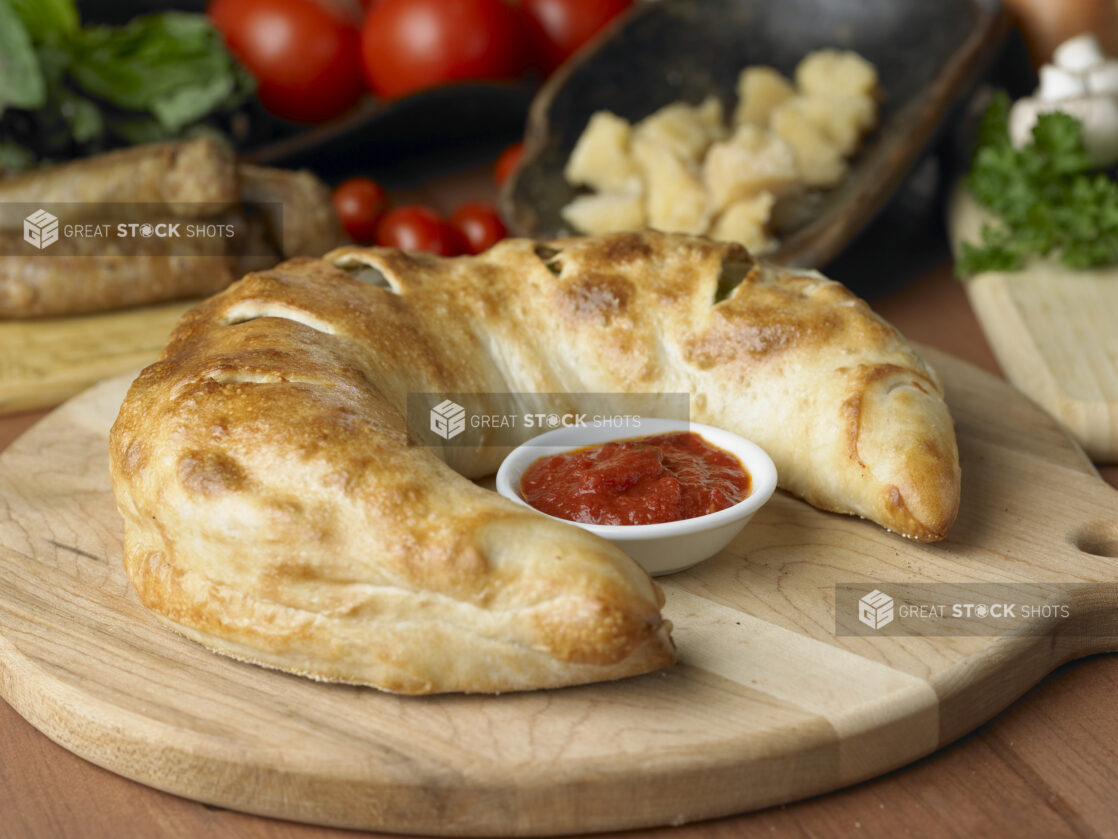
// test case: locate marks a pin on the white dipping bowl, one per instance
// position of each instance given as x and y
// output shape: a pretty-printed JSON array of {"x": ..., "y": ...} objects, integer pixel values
[{"x": 659, "y": 548}]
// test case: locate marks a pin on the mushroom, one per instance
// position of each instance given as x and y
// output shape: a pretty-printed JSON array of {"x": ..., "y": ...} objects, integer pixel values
[{"x": 1083, "y": 83}]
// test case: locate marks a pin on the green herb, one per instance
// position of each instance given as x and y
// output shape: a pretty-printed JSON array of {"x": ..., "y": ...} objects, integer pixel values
[
  {"x": 82, "y": 116},
  {"x": 15, "y": 158},
  {"x": 1047, "y": 199},
  {"x": 94, "y": 87},
  {"x": 172, "y": 65},
  {"x": 47, "y": 20},
  {"x": 21, "y": 81}
]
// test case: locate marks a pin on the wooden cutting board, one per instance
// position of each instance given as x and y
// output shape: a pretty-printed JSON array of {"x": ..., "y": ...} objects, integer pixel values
[
  {"x": 1054, "y": 331},
  {"x": 766, "y": 705},
  {"x": 48, "y": 360}
]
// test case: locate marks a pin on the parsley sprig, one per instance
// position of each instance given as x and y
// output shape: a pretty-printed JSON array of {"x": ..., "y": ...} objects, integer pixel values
[{"x": 1047, "y": 199}]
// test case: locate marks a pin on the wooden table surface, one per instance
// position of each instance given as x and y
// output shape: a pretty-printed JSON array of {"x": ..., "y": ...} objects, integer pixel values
[{"x": 1045, "y": 767}]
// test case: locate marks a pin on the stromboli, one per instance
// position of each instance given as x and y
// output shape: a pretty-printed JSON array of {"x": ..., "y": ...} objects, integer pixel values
[{"x": 275, "y": 512}]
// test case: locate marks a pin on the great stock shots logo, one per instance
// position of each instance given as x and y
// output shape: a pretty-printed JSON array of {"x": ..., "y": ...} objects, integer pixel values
[
  {"x": 875, "y": 610},
  {"x": 40, "y": 229},
  {"x": 448, "y": 419},
  {"x": 181, "y": 230},
  {"x": 940, "y": 610},
  {"x": 505, "y": 420}
]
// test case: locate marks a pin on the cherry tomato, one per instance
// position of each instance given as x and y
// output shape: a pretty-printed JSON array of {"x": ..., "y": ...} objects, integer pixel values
[
  {"x": 480, "y": 226},
  {"x": 562, "y": 26},
  {"x": 305, "y": 56},
  {"x": 507, "y": 162},
  {"x": 411, "y": 45},
  {"x": 359, "y": 203},
  {"x": 414, "y": 227}
]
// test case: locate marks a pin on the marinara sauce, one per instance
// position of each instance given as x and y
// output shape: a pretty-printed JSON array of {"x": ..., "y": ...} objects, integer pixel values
[{"x": 643, "y": 480}]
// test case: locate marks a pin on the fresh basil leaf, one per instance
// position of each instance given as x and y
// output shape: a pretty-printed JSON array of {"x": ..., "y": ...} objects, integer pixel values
[
  {"x": 150, "y": 59},
  {"x": 139, "y": 130},
  {"x": 244, "y": 85},
  {"x": 21, "y": 81},
  {"x": 14, "y": 157},
  {"x": 53, "y": 62},
  {"x": 82, "y": 117},
  {"x": 149, "y": 80},
  {"x": 47, "y": 20},
  {"x": 184, "y": 105}
]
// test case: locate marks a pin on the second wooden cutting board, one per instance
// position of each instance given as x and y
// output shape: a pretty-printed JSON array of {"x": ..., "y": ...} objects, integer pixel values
[
  {"x": 1054, "y": 331},
  {"x": 47, "y": 360}
]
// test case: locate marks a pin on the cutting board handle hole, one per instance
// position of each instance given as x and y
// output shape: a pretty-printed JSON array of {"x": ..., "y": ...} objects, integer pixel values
[{"x": 1098, "y": 537}]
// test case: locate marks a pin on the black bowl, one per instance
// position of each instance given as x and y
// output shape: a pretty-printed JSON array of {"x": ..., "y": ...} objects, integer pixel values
[
  {"x": 406, "y": 140},
  {"x": 927, "y": 54}
]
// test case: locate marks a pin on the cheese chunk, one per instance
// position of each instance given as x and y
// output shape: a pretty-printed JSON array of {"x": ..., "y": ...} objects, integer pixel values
[
  {"x": 752, "y": 161},
  {"x": 685, "y": 130},
  {"x": 676, "y": 200},
  {"x": 601, "y": 157},
  {"x": 818, "y": 158},
  {"x": 746, "y": 222},
  {"x": 681, "y": 170},
  {"x": 836, "y": 72},
  {"x": 760, "y": 89},
  {"x": 606, "y": 212},
  {"x": 843, "y": 119}
]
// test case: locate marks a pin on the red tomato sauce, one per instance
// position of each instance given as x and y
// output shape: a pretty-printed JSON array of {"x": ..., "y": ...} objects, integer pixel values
[{"x": 644, "y": 480}]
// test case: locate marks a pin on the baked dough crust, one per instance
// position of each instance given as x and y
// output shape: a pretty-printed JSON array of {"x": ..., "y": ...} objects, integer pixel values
[{"x": 275, "y": 511}]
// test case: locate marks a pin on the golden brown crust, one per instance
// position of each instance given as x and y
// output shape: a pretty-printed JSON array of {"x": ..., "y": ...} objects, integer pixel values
[
  {"x": 853, "y": 417},
  {"x": 275, "y": 511}
]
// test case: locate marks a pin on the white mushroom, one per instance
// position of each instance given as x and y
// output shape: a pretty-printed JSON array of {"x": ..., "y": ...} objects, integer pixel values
[
  {"x": 1079, "y": 53},
  {"x": 1083, "y": 83},
  {"x": 1058, "y": 83},
  {"x": 1103, "y": 79},
  {"x": 1099, "y": 115}
]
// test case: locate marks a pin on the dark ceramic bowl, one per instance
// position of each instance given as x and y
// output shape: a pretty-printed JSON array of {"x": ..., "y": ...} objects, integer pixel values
[
  {"x": 927, "y": 55},
  {"x": 405, "y": 140}
]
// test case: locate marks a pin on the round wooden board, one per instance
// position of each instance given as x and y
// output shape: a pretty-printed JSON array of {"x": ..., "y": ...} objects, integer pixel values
[{"x": 766, "y": 705}]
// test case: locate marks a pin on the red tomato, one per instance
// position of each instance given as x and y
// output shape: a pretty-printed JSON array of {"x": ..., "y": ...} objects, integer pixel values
[
  {"x": 507, "y": 162},
  {"x": 411, "y": 45},
  {"x": 359, "y": 203},
  {"x": 414, "y": 227},
  {"x": 562, "y": 26},
  {"x": 306, "y": 57},
  {"x": 480, "y": 226}
]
